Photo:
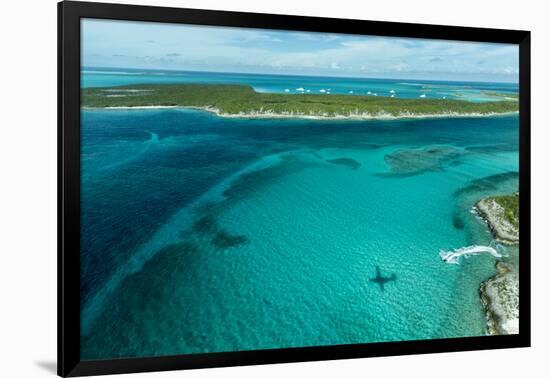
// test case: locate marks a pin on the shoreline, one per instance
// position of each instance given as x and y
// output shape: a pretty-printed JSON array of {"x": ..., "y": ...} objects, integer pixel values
[
  {"x": 242, "y": 101},
  {"x": 500, "y": 298},
  {"x": 499, "y": 294},
  {"x": 493, "y": 214},
  {"x": 272, "y": 115}
]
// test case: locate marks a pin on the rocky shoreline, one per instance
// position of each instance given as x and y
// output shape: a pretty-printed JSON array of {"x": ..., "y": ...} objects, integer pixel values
[
  {"x": 500, "y": 298},
  {"x": 354, "y": 116},
  {"x": 500, "y": 294},
  {"x": 493, "y": 213},
  {"x": 358, "y": 116}
]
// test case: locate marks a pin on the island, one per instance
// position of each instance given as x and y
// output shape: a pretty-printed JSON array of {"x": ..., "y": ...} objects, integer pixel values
[
  {"x": 500, "y": 294},
  {"x": 502, "y": 215},
  {"x": 500, "y": 297},
  {"x": 243, "y": 101}
]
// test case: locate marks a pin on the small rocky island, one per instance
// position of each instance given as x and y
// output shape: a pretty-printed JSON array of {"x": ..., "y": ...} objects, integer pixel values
[
  {"x": 502, "y": 216},
  {"x": 500, "y": 294}
]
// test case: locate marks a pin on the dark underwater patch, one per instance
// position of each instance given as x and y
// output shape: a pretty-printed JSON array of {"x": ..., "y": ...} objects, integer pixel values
[
  {"x": 244, "y": 185},
  {"x": 353, "y": 164},
  {"x": 410, "y": 162},
  {"x": 458, "y": 222},
  {"x": 487, "y": 184},
  {"x": 224, "y": 240},
  {"x": 317, "y": 155},
  {"x": 207, "y": 226}
]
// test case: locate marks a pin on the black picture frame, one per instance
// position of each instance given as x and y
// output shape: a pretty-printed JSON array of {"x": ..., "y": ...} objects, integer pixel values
[{"x": 69, "y": 15}]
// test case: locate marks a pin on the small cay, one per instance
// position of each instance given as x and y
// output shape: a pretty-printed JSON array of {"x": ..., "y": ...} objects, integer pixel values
[{"x": 502, "y": 216}]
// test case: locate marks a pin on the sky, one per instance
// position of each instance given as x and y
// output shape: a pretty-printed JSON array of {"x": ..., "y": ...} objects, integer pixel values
[{"x": 147, "y": 45}]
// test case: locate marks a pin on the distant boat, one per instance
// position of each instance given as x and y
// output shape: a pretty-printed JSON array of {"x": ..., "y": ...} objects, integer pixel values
[
  {"x": 300, "y": 89},
  {"x": 375, "y": 94},
  {"x": 423, "y": 95},
  {"x": 307, "y": 90},
  {"x": 350, "y": 92},
  {"x": 287, "y": 90},
  {"x": 392, "y": 95},
  {"x": 444, "y": 97},
  {"x": 392, "y": 91},
  {"x": 368, "y": 92},
  {"x": 322, "y": 90}
]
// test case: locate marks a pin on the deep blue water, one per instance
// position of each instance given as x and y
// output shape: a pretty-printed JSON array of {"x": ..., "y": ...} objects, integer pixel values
[{"x": 204, "y": 234}]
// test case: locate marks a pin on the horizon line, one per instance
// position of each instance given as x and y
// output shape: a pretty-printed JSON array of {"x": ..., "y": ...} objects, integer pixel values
[{"x": 83, "y": 68}]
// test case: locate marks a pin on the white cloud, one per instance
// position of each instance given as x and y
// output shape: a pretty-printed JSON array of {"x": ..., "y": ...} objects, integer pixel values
[{"x": 218, "y": 49}]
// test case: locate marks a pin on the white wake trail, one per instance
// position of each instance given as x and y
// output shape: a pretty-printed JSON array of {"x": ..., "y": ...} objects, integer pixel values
[{"x": 453, "y": 257}]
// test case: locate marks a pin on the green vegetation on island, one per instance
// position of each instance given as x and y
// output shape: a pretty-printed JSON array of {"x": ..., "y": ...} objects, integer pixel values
[
  {"x": 510, "y": 204},
  {"x": 243, "y": 101},
  {"x": 502, "y": 216}
]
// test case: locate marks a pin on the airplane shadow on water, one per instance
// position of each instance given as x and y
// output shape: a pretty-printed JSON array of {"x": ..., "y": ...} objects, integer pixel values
[{"x": 381, "y": 280}]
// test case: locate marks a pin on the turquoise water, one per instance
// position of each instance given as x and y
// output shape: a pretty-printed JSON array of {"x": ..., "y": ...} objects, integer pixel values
[
  {"x": 205, "y": 234},
  {"x": 474, "y": 91}
]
